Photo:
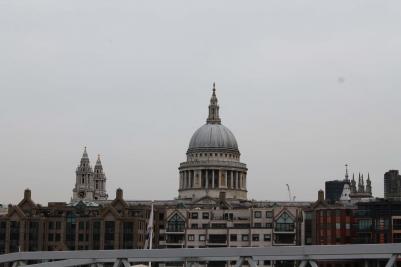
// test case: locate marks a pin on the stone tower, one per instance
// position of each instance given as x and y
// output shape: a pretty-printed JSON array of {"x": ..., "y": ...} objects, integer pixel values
[
  {"x": 99, "y": 179},
  {"x": 89, "y": 185}
]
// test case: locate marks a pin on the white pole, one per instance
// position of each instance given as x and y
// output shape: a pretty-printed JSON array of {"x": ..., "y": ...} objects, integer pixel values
[{"x": 151, "y": 232}]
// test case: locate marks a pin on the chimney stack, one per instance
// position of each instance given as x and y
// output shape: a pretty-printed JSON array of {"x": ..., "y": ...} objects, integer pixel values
[{"x": 320, "y": 195}]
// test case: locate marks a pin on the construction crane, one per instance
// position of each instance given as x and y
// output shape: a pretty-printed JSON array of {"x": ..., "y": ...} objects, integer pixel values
[{"x": 292, "y": 198}]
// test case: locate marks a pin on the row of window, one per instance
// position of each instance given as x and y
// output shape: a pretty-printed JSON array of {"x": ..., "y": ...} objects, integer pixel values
[
  {"x": 258, "y": 214},
  {"x": 347, "y": 226},
  {"x": 195, "y": 215},
  {"x": 215, "y": 154},
  {"x": 234, "y": 237},
  {"x": 338, "y": 213},
  {"x": 206, "y": 215},
  {"x": 54, "y": 225},
  {"x": 224, "y": 226}
]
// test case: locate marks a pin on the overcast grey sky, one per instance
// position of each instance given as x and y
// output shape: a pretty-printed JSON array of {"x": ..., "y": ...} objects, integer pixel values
[{"x": 305, "y": 86}]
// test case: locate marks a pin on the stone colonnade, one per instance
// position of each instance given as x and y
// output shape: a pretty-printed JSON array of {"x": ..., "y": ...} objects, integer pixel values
[{"x": 212, "y": 178}]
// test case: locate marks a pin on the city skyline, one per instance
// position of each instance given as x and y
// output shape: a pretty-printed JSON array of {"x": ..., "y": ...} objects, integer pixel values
[{"x": 304, "y": 91}]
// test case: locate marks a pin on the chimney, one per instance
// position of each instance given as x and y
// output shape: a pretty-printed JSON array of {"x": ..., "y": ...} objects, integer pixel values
[
  {"x": 222, "y": 196},
  {"x": 320, "y": 195},
  {"x": 119, "y": 193},
  {"x": 27, "y": 194}
]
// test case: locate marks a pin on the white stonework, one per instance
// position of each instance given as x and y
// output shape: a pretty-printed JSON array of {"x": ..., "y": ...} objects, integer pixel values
[
  {"x": 90, "y": 185},
  {"x": 213, "y": 162}
]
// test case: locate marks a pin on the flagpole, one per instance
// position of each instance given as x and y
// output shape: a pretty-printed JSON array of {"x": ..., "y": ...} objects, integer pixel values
[{"x": 151, "y": 231}]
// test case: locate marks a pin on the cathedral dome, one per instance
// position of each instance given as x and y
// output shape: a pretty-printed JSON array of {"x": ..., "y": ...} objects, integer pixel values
[{"x": 213, "y": 136}]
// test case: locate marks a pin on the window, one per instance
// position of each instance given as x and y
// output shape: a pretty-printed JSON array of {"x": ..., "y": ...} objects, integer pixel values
[
  {"x": 255, "y": 237},
  {"x": 205, "y": 226},
  {"x": 258, "y": 225},
  {"x": 50, "y": 237},
  {"x": 58, "y": 225},
  {"x": 202, "y": 237},
  {"x": 285, "y": 223},
  {"x": 338, "y": 226},
  {"x": 233, "y": 237},
  {"x": 258, "y": 214},
  {"x": 269, "y": 214},
  {"x": 51, "y": 225},
  {"x": 219, "y": 225},
  {"x": 365, "y": 224},
  {"x": 396, "y": 224},
  {"x": 191, "y": 237},
  {"x": 228, "y": 216},
  {"x": 205, "y": 215},
  {"x": 58, "y": 237},
  {"x": 176, "y": 224},
  {"x": 267, "y": 263},
  {"x": 194, "y": 226},
  {"x": 194, "y": 215},
  {"x": 269, "y": 226},
  {"x": 396, "y": 238},
  {"x": 267, "y": 237},
  {"x": 245, "y": 237}
]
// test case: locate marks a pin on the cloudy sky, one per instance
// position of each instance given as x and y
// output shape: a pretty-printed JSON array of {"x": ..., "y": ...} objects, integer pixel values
[{"x": 306, "y": 86}]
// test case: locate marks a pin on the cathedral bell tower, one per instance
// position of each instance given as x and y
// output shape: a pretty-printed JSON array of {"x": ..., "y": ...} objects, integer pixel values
[
  {"x": 84, "y": 176},
  {"x": 99, "y": 179},
  {"x": 89, "y": 185}
]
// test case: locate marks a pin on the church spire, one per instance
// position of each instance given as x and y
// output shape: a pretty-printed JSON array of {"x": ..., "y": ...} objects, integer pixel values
[
  {"x": 85, "y": 154},
  {"x": 213, "y": 109},
  {"x": 98, "y": 162},
  {"x": 85, "y": 159},
  {"x": 346, "y": 173}
]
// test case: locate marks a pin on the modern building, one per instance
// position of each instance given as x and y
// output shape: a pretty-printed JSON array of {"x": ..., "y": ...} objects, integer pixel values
[
  {"x": 392, "y": 185},
  {"x": 334, "y": 190},
  {"x": 377, "y": 221}
]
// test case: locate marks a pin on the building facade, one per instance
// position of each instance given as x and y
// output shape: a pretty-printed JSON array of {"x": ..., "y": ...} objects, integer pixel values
[
  {"x": 82, "y": 225},
  {"x": 378, "y": 222}
]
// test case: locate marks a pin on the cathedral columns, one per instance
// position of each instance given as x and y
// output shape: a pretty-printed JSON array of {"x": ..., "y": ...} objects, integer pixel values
[
  {"x": 213, "y": 178},
  {"x": 236, "y": 180},
  {"x": 207, "y": 179},
  {"x": 232, "y": 180}
]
